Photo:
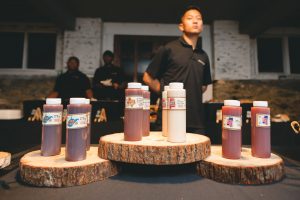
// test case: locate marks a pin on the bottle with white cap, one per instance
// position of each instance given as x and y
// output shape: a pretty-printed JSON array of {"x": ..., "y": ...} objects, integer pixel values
[
  {"x": 165, "y": 110},
  {"x": 260, "y": 130},
  {"x": 88, "y": 111},
  {"x": 51, "y": 127},
  {"x": 76, "y": 134},
  {"x": 177, "y": 112},
  {"x": 133, "y": 116},
  {"x": 146, "y": 110},
  {"x": 231, "y": 129}
]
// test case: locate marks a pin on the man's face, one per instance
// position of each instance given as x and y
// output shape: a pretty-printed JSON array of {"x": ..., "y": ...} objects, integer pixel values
[
  {"x": 72, "y": 65},
  {"x": 191, "y": 22},
  {"x": 107, "y": 59}
]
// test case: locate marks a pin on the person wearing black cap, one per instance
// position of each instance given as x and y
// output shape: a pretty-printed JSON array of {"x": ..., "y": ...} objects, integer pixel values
[
  {"x": 183, "y": 60},
  {"x": 108, "y": 79}
]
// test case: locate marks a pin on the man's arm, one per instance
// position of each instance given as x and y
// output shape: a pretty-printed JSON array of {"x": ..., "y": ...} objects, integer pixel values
[
  {"x": 53, "y": 94},
  {"x": 89, "y": 93},
  {"x": 153, "y": 84}
]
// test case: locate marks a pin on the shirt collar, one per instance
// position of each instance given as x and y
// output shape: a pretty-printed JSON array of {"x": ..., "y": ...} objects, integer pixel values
[{"x": 184, "y": 43}]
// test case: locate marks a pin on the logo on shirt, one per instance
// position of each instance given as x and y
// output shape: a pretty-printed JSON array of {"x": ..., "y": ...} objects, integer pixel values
[{"x": 200, "y": 61}]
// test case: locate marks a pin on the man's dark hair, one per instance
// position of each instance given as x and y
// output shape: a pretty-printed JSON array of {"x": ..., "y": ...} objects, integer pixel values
[
  {"x": 108, "y": 53},
  {"x": 74, "y": 58},
  {"x": 188, "y": 8}
]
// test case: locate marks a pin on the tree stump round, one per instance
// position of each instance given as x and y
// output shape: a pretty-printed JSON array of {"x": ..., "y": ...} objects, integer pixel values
[
  {"x": 154, "y": 149},
  {"x": 246, "y": 170},
  {"x": 55, "y": 171},
  {"x": 5, "y": 159}
]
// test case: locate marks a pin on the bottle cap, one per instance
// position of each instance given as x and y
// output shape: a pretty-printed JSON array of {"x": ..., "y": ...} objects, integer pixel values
[
  {"x": 77, "y": 100},
  {"x": 166, "y": 87},
  {"x": 134, "y": 85},
  {"x": 260, "y": 103},
  {"x": 87, "y": 101},
  {"x": 145, "y": 87},
  {"x": 176, "y": 85},
  {"x": 231, "y": 103},
  {"x": 53, "y": 101}
]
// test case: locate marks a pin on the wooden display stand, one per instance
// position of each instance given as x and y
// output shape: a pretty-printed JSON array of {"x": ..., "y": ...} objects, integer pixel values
[
  {"x": 154, "y": 149},
  {"x": 55, "y": 171},
  {"x": 5, "y": 159},
  {"x": 246, "y": 170}
]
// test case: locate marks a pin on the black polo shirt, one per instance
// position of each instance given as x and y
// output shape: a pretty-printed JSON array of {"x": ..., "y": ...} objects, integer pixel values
[
  {"x": 178, "y": 62},
  {"x": 72, "y": 84}
]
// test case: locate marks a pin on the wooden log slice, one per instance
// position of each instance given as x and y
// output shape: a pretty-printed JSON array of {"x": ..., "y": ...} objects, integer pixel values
[
  {"x": 246, "y": 170},
  {"x": 55, "y": 171},
  {"x": 154, "y": 149},
  {"x": 5, "y": 159}
]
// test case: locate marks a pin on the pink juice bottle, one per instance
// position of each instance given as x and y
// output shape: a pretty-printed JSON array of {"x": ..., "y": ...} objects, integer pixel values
[
  {"x": 146, "y": 110},
  {"x": 88, "y": 111},
  {"x": 165, "y": 110},
  {"x": 52, "y": 127},
  {"x": 260, "y": 130},
  {"x": 76, "y": 134},
  {"x": 231, "y": 129},
  {"x": 133, "y": 112}
]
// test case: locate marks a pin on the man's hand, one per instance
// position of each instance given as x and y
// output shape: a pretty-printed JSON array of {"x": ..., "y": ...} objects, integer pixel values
[{"x": 153, "y": 84}]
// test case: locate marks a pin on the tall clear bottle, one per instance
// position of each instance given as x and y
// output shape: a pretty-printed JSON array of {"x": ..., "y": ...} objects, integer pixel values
[
  {"x": 76, "y": 135},
  {"x": 88, "y": 107},
  {"x": 260, "y": 130},
  {"x": 165, "y": 110},
  {"x": 177, "y": 113},
  {"x": 133, "y": 117},
  {"x": 231, "y": 129},
  {"x": 146, "y": 110},
  {"x": 51, "y": 127}
]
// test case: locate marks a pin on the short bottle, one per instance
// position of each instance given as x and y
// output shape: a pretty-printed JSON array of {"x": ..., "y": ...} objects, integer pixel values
[
  {"x": 146, "y": 110},
  {"x": 260, "y": 130},
  {"x": 51, "y": 127},
  {"x": 231, "y": 129},
  {"x": 177, "y": 113},
  {"x": 76, "y": 134},
  {"x": 133, "y": 116},
  {"x": 165, "y": 110},
  {"x": 88, "y": 111}
]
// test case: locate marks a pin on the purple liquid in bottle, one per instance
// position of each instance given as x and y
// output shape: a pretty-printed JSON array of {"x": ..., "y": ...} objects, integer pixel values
[
  {"x": 133, "y": 112},
  {"x": 52, "y": 127},
  {"x": 88, "y": 111},
  {"x": 146, "y": 111},
  {"x": 76, "y": 135}
]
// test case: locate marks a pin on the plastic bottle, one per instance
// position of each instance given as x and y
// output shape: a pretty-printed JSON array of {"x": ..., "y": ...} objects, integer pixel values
[
  {"x": 177, "y": 112},
  {"x": 76, "y": 130},
  {"x": 165, "y": 110},
  {"x": 260, "y": 130},
  {"x": 52, "y": 127},
  {"x": 146, "y": 110},
  {"x": 133, "y": 112},
  {"x": 231, "y": 129},
  {"x": 88, "y": 107}
]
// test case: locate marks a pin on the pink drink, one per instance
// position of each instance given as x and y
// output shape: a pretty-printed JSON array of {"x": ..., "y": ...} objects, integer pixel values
[
  {"x": 231, "y": 129},
  {"x": 52, "y": 128},
  {"x": 260, "y": 130},
  {"x": 146, "y": 111},
  {"x": 165, "y": 110},
  {"x": 76, "y": 130},
  {"x": 133, "y": 112},
  {"x": 88, "y": 111}
]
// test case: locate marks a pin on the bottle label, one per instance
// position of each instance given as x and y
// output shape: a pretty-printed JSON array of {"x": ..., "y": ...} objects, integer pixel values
[
  {"x": 165, "y": 103},
  {"x": 146, "y": 105},
  {"x": 232, "y": 122},
  {"x": 88, "y": 117},
  {"x": 177, "y": 103},
  {"x": 76, "y": 121},
  {"x": 134, "y": 102},
  {"x": 263, "y": 120},
  {"x": 52, "y": 118}
]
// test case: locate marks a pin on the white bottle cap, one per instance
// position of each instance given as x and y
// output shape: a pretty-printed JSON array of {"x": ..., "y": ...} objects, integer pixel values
[
  {"x": 176, "y": 85},
  {"x": 166, "y": 87},
  {"x": 145, "y": 87},
  {"x": 231, "y": 103},
  {"x": 53, "y": 101},
  {"x": 87, "y": 101},
  {"x": 134, "y": 85},
  {"x": 260, "y": 103},
  {"x": 77, "y": 100}
]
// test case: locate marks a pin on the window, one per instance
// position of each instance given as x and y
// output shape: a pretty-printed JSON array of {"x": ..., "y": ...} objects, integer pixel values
[
  {"x": 294, "y": 51},
  {"x": 27, "y": 50}
]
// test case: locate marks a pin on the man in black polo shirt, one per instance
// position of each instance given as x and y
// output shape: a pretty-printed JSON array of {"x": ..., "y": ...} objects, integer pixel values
[
  {"x": 183, "y": 60},
  {"x": 72, "y": 83}
]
